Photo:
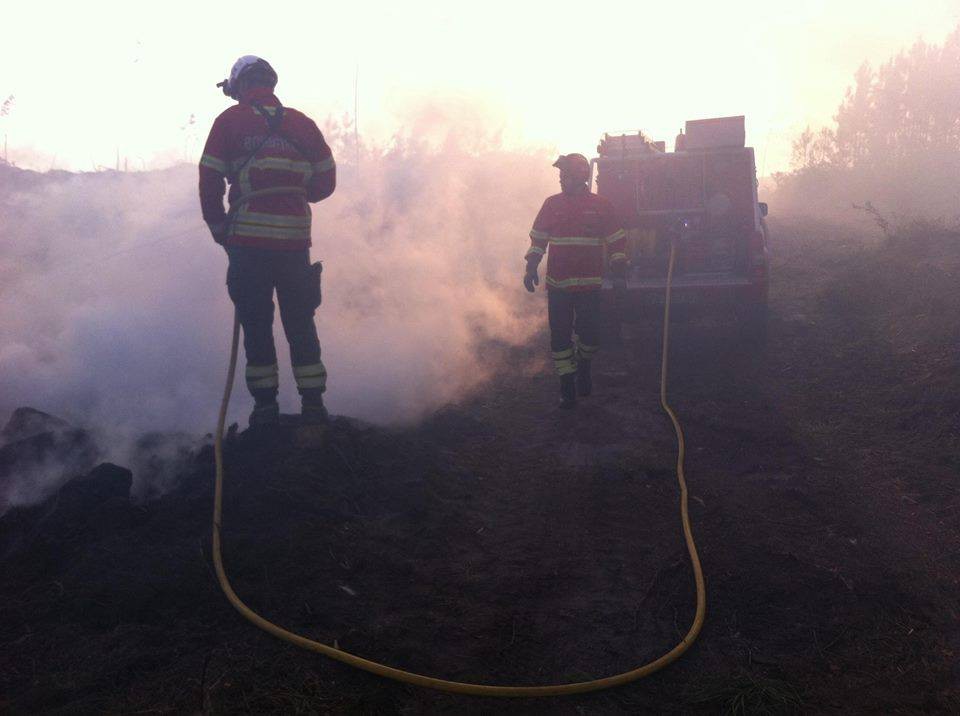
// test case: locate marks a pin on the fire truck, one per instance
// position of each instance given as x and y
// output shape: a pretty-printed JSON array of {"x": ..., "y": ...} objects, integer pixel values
[{"x": 702, "y": 198}]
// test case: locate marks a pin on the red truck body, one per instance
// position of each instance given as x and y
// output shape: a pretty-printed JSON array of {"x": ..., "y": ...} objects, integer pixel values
[{"x": 703, "y": 197}]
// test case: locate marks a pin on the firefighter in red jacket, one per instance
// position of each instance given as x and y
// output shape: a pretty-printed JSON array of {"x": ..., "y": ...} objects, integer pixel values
[
  {"x": 580, "y": 229},
  {"x": 276, "y": 162}
]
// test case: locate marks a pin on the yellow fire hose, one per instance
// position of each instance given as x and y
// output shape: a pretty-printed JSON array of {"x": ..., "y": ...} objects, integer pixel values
[{"x": 456, "y": 686}]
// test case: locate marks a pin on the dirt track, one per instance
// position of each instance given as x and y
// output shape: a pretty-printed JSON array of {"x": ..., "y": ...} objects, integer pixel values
[{"x": 505, "y": 542}]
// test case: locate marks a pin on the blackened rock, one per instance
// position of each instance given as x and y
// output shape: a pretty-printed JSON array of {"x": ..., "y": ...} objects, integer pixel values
[
  {"x": 27, "y": 422},
  {"x": 33, "y": 468},
  {"x": 106, "y": 481}
]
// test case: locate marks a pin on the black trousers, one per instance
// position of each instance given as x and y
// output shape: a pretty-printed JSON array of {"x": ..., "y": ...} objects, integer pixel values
[
  {"x": 252, "y": 277},
  {"x": 574, "y": 327}
]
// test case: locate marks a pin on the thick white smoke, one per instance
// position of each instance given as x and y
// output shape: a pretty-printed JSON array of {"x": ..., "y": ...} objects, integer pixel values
[{"x": 115, "y": 312}]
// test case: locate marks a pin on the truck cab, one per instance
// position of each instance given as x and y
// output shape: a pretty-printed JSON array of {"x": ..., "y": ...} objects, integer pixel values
[{"x": 702, "y": 197}]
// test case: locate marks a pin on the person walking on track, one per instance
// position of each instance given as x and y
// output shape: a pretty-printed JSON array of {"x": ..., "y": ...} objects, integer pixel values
[{"x": 582, "y": 232}]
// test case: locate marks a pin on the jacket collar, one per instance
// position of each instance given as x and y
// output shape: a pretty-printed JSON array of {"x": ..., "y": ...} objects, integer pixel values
[{"x": 260, "y": 95}]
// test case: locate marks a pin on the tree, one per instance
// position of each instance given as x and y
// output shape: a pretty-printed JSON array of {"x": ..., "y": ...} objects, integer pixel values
[{"x": 908, "y": 107}]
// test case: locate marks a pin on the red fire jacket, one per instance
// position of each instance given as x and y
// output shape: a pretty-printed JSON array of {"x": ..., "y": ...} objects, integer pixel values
[
  {"x": 242, "y": 150},
  {"x": 579, "y": 229}
]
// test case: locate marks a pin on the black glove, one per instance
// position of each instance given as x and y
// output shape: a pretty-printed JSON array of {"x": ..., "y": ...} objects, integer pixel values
[
  {"x": 218, "y": 232},
  {"x": 531, "y": 279}
]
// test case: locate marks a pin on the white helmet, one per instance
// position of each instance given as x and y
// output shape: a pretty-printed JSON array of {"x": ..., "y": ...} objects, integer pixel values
[{"x": 240, "y": 68}]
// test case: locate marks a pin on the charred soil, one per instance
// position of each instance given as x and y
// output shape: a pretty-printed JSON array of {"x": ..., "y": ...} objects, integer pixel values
[{"x": 503, "y": 541}]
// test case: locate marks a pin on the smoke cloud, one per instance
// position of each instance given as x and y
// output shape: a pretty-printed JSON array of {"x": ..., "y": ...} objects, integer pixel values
[{"x": 115, "y": 312}]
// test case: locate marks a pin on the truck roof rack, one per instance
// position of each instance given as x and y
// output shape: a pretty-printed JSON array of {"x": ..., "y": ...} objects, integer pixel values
[{"x": 626, "y": 146}]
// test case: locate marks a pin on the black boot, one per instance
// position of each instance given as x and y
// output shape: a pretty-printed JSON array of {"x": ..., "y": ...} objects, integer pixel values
[
  {"x": 584, "y": 379},
  {"x": 265, "y": 412},
  {"x": 313, "y": 411},
  {"x": 568, "y": 391}
]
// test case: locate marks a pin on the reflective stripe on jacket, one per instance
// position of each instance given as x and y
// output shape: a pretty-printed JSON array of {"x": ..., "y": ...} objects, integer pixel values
[
  {"x": 579, "y": 230},
  {"x": 242, "y": 151}
]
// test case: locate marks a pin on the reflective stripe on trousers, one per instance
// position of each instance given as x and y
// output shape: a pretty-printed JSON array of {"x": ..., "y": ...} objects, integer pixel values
[
  {"x": 573, "y": 312},
  {"x": 262, "y": 376},
  {"x": 310, "y": 376},
  {"x": 585, "y": 352},
  {"x": 565, "y": 361}
]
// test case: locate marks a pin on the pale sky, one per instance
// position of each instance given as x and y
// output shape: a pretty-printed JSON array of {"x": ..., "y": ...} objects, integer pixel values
[{"x": 94, "y": 78}]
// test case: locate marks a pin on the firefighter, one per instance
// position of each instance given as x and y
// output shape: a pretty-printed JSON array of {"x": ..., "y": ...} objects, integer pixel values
[
  {"x": 580, "y": 229},
  {"x": 276, "y": 162}
]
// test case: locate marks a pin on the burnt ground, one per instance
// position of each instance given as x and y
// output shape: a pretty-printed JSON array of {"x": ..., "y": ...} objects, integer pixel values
[{"x": 502, "y": 541}]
